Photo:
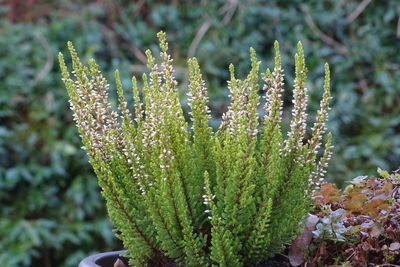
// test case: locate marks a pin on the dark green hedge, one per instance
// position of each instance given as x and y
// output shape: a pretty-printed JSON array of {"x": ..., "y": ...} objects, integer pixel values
[{"x": 51, "y": 213}]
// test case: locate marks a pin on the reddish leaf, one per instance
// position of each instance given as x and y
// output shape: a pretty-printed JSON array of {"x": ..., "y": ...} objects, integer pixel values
[
  {"x": 355, "y": 200},
  {"x": 328, "y": 194},
  {"x": 296, "y": 250}
]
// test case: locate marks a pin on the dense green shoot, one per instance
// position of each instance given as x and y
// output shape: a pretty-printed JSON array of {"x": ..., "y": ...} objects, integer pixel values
[{"x": 233, "y": 197}]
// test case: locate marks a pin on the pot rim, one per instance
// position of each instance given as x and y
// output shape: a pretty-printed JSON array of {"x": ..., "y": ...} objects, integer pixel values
[{"x": 91, "y": 261}]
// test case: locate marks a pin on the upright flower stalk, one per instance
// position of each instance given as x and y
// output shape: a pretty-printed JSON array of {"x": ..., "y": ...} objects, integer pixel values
[
  {"x": 189, "y": 195},
  {"x": 300, "y": 99}
]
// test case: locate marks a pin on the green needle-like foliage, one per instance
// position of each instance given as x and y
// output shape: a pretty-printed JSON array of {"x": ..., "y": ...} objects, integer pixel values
[{"x": 233, "y": 197}]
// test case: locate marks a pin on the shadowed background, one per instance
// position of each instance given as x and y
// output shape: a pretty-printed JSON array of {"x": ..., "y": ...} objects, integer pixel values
[{"x": 51, "y": 212}]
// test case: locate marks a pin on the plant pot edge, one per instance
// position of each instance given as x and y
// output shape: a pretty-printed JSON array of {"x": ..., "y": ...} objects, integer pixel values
[
  {"x": 109, "y": 258},
  {"x": 92, "y": 260}
]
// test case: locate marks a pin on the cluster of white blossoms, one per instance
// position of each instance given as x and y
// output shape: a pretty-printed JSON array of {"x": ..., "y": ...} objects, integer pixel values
[
  {"x": 236, "y": 110},
  {"x": 319, "y": 127},
  {"x": 97, "y": 122},
  {"x": 317, "y": 176},
  {"x": 208, "y": 199},
  {"x": 242, "y": 116},
  {"x": 274, "y": 84},
  {"x": 298, "y": 124},
  {"x": 197, "y": 95}
]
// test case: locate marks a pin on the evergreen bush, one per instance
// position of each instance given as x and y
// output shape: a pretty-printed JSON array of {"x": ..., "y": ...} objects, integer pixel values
[{"x": 180, "y": 194}]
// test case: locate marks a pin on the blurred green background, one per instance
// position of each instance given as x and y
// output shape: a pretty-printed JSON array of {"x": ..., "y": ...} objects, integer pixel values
[{"x": 51, "y": 213}]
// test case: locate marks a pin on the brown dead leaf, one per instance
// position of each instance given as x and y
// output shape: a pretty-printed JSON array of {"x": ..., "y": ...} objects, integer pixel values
[
  {"x": 374, "y": 207},
  {"x": 327, "y": 194},
  {"x": 354, "y": 202},
  {"x": 387, "y": 189}
]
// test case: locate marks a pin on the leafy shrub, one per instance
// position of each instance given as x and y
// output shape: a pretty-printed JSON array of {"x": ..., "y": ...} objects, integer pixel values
[
  {"x": 359, "y": 226},
  {"x": 230, "y": 197}
]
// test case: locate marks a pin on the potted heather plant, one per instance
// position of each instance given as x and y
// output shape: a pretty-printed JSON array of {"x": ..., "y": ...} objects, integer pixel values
[{"x": 188, "y": 196}]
